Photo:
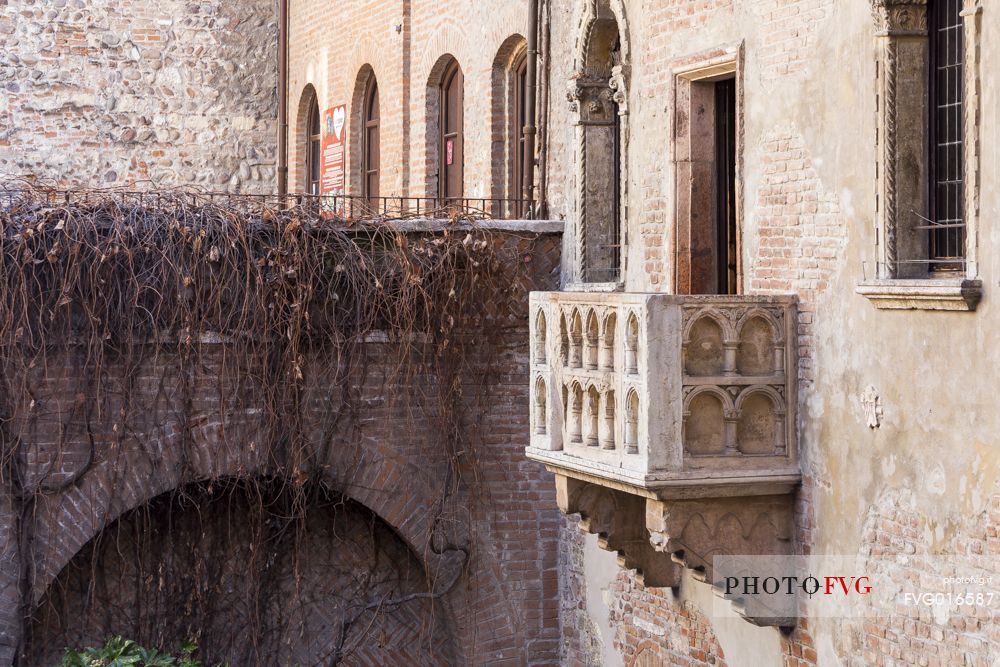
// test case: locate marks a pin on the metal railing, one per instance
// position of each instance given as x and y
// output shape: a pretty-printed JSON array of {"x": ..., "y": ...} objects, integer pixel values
[
  {"x": 346, "y": 207},
  {"x": 356, "y": 206}
]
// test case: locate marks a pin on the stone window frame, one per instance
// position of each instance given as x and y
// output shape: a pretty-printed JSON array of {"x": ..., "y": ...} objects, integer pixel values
[
  {"x": 584, "y": 95},
  {"x": 703, "y": 67},
  {"x": 902, "y": 47}
]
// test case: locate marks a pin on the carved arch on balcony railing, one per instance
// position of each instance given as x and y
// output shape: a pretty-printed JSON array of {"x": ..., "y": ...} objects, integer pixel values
[
  {"x": 576, "y": 339},
  {"x": 592, "y": 340},
  {"x": 765, "y": 355},
  {"x": 608, "y": 420},
  {"x": 592, "y": 416},
  {"x": 729, "y": 334},
  {"x": 631, "y": 343},
  {"x": 540, "y": 413},
  {"x": 709, "y": 430},
  {"x": 574, "y": 416},
  {"x": 709, "y": 342},
  {"x": 768, "y": 315},
  {"x": 609, "y": 328},
  {"x": 751, "y": 420},
  {"x": 563, "y": 340},
  {"x": 632, "y": 417},
  {"x": 541, "y": 337}
]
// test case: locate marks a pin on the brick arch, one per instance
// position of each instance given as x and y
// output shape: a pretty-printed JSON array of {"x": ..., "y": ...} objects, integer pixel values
[
  {"x": 69, "y": 521},
  {"x": 198, "y": 542},
  {"x": 475, "y": 51},
  {"x": 367, "y": 56}
]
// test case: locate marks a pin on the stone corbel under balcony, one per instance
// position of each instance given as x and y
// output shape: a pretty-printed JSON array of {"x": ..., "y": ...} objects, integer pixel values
[{"x": 923, "y": 294}]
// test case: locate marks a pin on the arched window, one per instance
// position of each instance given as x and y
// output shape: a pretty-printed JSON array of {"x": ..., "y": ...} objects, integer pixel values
[
  {"x": 313, "y": 142},
  {"x": 451, "y": 151},
  {"x": 370, "y": 141},
  {"x": 519, "y": 115}
]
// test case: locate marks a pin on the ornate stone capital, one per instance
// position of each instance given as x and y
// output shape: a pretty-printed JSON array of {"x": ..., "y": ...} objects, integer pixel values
[
  {"x": 900, "y": 17},
  {"x": 592, "y": 98},
  {"x": 619, "y": 87}
]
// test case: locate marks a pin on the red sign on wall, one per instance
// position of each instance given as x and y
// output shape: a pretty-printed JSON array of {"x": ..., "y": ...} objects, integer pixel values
[{"x": 331, "y": 180}]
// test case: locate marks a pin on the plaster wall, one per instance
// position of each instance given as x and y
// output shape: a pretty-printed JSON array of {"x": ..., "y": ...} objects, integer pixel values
[{"x": 925, "y": 481}]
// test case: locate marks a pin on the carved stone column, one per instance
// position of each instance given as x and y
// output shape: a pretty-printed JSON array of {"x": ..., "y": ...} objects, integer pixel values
[
  {"x": 902, "y": 53},
  {"x": 590, "y": 99}
]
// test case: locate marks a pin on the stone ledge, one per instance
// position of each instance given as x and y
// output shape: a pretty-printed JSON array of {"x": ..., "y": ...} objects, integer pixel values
[
  {"x": 670, "y": 486},
  {"x": 959, "y": 294}
]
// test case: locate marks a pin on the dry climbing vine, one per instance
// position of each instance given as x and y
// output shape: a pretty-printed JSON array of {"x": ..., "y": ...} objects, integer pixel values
[{"x": 121, "y": 313}]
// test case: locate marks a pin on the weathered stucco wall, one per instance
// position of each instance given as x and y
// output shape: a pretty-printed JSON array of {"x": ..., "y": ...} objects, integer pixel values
[
  {"x": 135, "y": 93},
  {"x": 926, "y": 481}
]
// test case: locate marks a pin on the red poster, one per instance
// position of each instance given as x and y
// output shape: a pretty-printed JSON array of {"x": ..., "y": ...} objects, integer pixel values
[
  {"x": 332, "y": 180},
  {"x": 450, "y": 150}
]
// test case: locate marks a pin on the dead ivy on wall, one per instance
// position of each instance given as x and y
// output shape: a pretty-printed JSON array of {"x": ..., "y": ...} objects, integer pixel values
[{"x": 282, "y": 319}]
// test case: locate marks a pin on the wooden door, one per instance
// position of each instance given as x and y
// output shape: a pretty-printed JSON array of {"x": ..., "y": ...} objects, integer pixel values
[
  {"x": 452, "y": 147},
  {"x": 370, "y": 162}
]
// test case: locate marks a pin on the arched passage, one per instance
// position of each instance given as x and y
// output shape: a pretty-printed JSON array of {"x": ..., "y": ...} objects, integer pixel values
[{"x": 254, "y": 572}]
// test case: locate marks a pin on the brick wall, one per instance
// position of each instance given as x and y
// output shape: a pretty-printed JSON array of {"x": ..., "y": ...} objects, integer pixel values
[
  {"x": 137, "y": 93},
  {"x": 405, "y": 45},
  {"x": 489, "y": 520},
  {"x": 259, "y": 581}
]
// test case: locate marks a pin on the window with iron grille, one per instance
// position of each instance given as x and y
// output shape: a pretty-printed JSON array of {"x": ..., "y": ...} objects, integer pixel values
[{"x": 946, "y": 227}]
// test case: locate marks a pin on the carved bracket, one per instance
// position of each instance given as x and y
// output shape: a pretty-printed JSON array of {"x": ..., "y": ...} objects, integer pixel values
[
  {"x": 693, "y": 531},
  {"x": 617, "y": 518}
]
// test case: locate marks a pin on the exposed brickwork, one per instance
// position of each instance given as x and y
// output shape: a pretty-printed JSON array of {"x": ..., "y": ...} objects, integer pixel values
[
  {"x": 138, "y": 93},
  {"x": 792, "y": 29},
  {"x": 318, "y": 578},
  {"x": 913, "y": 634},
  {"x": 404, "y": 45},
  {"x": 799, "y": 234},
  {"x": 501, "y": 509},
  {"x": 651, "y": 628}
]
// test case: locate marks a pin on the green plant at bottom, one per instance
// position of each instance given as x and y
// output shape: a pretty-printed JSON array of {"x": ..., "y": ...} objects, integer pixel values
[{"x": 119, "y": 652}]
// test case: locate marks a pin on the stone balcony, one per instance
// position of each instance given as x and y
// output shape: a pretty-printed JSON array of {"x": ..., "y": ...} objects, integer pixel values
[{"x": 669, "y": 422}]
